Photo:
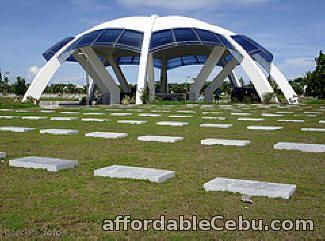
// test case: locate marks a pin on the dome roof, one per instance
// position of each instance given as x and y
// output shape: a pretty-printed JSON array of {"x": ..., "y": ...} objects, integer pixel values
[
  {"x": 193, "y": 38},
  {"x": 160, "y": 23}
]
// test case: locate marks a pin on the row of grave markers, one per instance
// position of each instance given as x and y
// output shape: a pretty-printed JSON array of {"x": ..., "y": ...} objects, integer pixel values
[
  {"x": 248, "y": 187},
  {"x": 171, "y": 139}
]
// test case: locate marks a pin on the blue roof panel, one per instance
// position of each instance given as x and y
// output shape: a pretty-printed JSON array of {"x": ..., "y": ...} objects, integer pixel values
[
  {"x": 48, "y": 54},
  {"x": 253, "y": 48}
]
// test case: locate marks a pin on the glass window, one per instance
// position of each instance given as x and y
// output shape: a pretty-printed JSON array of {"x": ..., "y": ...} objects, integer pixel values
[
  {"x": 208, "y": 36},
  {"x": 252, "y": 47},
  {"x": 88, "y": 39},
  {"x": 187, "y": 60},
  {"x": 185, "y": 35},
  {"x": 161, "y": 38},
  {"x": 201, "y": 58},
  {"x": 108, "y": 36},
  {"x": 131, "y": 38},
  {"x": 173, "y": 63},
  {"x": 48, "y": 54}
]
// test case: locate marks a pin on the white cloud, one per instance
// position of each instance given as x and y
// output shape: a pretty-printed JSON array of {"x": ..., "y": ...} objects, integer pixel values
[
  {"x": 32, "y": 72},
  {"x": 296, "y": 67},
  {"x": 188, "y": 4}
]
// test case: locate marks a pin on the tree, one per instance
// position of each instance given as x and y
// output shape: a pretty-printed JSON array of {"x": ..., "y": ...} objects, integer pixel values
[
  {"x": 4, "y": 86},
  {"x": 315, "y": 80},
  {"x": 19, "y": 87}
]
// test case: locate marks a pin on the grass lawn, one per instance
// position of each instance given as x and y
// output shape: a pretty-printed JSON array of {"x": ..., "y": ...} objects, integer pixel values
[{"x": 75, "y": 203}]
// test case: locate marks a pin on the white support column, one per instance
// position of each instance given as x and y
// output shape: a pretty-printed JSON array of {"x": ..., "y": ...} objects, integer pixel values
[
  {"x": 151, "y": 78},
  {"x": 234, "y": 80},
  {"x": 83, "y": 61},
  {"x": 252, "y": 70},
  {"x": 142, "y": 74},
  {"x": 284, "y": 85},
  {"x": 90, "y": 86},
  {"x": 163, "y": 76},
  {"x": 217, "y": 81},
  {"x": 232, "y": 76},
  {"x": 100, "y": 73},
  {"x": 213, "y": 59},
  {"x": 119, "y": 74}
]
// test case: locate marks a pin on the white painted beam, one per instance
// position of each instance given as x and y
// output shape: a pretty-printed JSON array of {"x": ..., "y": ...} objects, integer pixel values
[
  {"x": 218, "y": 80},
  {"x": 119, "y": 74},
  {"x": 151, "y": 78},
  {"x": 163, "y": 76},
  {"x": 83, "y": 61},
  {"x": 214, "y": 57},
  {"x": 46, "y": 73},
  {"x": 142, "y": 74},
  {"x": 253, "y": 71},
  {"x": 98, "y": 72},
  {"x": 284, "y": 85}
]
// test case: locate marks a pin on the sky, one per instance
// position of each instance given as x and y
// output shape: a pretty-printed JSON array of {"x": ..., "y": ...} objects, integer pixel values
[{"x": 293, "y": 30}]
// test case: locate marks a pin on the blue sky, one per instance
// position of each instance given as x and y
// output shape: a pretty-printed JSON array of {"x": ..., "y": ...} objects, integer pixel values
[{"x": 293, "y": 30}]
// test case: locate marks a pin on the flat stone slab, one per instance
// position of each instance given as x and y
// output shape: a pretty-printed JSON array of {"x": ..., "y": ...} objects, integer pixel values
[
  {"x": 212, "y": 113},
  {"x": 241, "y": 114},
  {"x": 132, "y": 122},
  {"x": 216, "y": 125},
  {"x": 186, "y": 111},
  {"x": 299, "y": 147},
  {"x": 149, "y": 115},
  {"x": 313, "y": 129},
  {"x": 160, "y": 111},
  {"x": 221, "y": 118},
  {"x": 312, "y": 112},
  {"x": 107, "y": 135},
  {"x": 284, "y": 112},
  {"x": 322, "y": 122},
  {"x": 59, "y": 131},
  {"x": 265, "y": 128},
  {"x": 165, "y": 139},
  {"x": 16, "y": 129},
  {"x": 7, "y": 117},
  {"x": 70, "y": 112},
  {"x": 47, "y": 111},
  {"x": 271, "y": 115},
  {"x": 305, "y": 115},
  {"x": 121, "y": 114},
  {"x": 34, "y": 117},
  {"x": 93, "y": 119},
  {"x": 64, "y": 118},
  {"x": 250, "y": 119},
  {"x": 207, "y": 106},
  {"x": 6, "y": 110},
  {"x": 295, "y": 121},
  {"x": 172, "y": 123},
  {"x": 51, "y": 164},
  {"x": 94, "y": 113},
  {"x": 224, "y": 142},
  {"x": 23, "y": 111},
  {"x": 180, "y": 116},
  {"x": 251, "y": 187},
  {"x": 138, "y": 173},
  {"x": 3, "y": 154}
]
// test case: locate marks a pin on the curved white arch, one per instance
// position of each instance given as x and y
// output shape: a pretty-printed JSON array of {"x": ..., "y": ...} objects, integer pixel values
[
  {"x": 253, "y": 71},
  {"x": 45, "y": 74},
  {"x": 157, "y": 23},
  {"x": 284, "y": 85}
]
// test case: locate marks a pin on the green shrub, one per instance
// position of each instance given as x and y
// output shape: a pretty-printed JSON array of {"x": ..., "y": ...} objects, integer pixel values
[{"x": 269, "y": 98}]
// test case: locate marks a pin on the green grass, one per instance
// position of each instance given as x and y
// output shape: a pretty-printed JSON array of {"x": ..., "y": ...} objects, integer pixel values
[
  {"x": 75, "y": 202},
  {"x": 8, "y": 103}
]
